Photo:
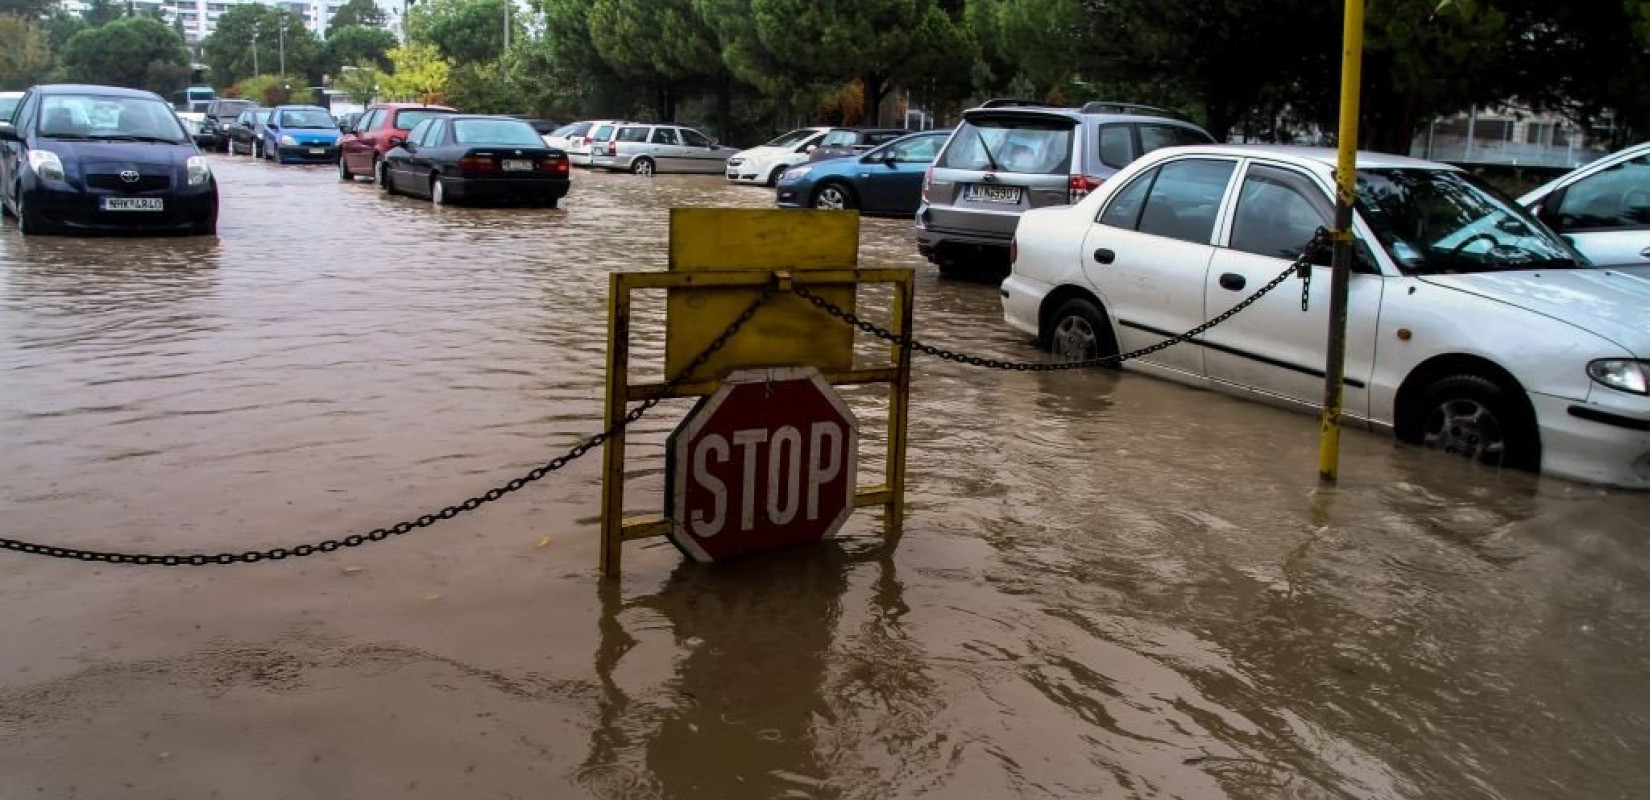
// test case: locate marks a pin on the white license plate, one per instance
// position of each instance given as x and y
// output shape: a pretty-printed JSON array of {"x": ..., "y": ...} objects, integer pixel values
[
  {"x": 317, "y": 151},
  {"x": 986, "y": 193},
  {"x": 132, "y": 204},
  {"x": 517, "y": 165}
]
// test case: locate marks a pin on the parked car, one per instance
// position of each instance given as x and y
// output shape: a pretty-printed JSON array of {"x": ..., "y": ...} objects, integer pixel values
[
  {"x": 839, "y": 142},
  {"x": 8, "y": 103},
  {"x": 246, "y": 135},
  {"x": 454, "y": 158},
  {"x": 220, "y": 116},
  {"x": 300, "y": 135},
  {"x": 764, "y": 164},
  {"x": 1603, "y": 208},
  {"x": 585, "y": 147},
  {"x": 1472, "y": 328},
  {"x": 570, "y": 139},
  {"x": 194, "y": 125},
  {"x": 542, "y": 127},
  {"x": 361, "y": 149},
  {"x": 642, "y": 149},
  {"x": 101, "y": 159},
  {"x": 1010, "y": 156},
  {"x": 885, "y": 180}
]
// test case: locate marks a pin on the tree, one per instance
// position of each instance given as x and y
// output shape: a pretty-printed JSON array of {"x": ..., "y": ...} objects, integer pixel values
[
  {"x": 420, "y": 74},
  {"x": 102, "y": 12},
  {"x": 360, "y": 81},
  {"x": 661, "y": 42},
  {"x": 24, "y": 58},
  {"x": 135, "y": 52},
  {"x": 356, "y": 13},
  {"x": 465, "y": 31},
  {"x": 26, "y": 9},
  {"x": 358, "y": 44},
  {"x": 244, "y": 29},
  {"x": 60, "y": 27}
]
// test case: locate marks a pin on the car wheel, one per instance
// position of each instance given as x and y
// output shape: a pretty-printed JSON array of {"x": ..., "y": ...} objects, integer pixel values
[
  {"x": 28, "y": 224},
  {"x": 1078, "y": 331},
  {"x": 382, "y": 176},
  {"x": 343, "y": 170},
  {"x": 835, "y": 197},
  {"x": 641, "y": 166},
  {"x": 438, "y": 190},
  {"x": 257, "y": 148},
  {"x": 773, "y": 177},
  {"x": 1480, "y": 419}
]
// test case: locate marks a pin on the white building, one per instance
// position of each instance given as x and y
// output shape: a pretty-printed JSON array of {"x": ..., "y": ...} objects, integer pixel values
[{"x": 200, "y": 17}]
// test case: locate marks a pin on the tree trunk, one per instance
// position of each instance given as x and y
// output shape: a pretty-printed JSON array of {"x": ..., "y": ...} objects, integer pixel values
[
  {"x": 875, "y": 88},
  {"x": 724, "y": 105}
]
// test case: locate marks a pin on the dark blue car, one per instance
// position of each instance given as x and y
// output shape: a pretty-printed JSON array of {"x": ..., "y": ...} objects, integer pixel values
[
  {"x": 887, "y": 180},
  {"x": 102, "y": 159},
  {"x": 301, "y": 135}
]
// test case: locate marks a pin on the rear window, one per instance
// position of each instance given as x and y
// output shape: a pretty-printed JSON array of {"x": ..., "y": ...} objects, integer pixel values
[
  {"x": 1008, "y": 144},
  {"x": 575, "y": 129},
  {"x": 405, "y": 120},
  {"x": 602, "y": 134},
  {"x": 881, "y": 137},
  {"x": 1153, "y": 137},
  {"x": 494, "y": 131}
]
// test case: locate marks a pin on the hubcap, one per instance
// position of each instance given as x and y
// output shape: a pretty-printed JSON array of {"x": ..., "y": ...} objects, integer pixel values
[
  {"x": 830, "y": 197},
  {"x": 644, "y": 168},
  {"x": 437, "y": 193},
  {"x": 1075, "y": 340},
  {"x": 1467, "y": 429}
]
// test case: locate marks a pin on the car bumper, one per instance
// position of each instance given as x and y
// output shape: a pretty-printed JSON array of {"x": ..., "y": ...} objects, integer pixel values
[
  {"x": 793, "y": 195},
  {"x": 578, "y": 158},
  {"x": 607, "y": 162},
  {"x": 1595, "y": 442},
  {"x": 745, "y": 173},
  {"x": 507, "y": 189},
  {"x": 1023, "y": 303},
  {"x": 306, "y": 154},
  {"x": 75, "y": 211}
]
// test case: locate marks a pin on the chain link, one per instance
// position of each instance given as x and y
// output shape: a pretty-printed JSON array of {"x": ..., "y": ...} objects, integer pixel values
[
  {"x": 1301, "y": 266},
  {"x": 425, "y": 521}
]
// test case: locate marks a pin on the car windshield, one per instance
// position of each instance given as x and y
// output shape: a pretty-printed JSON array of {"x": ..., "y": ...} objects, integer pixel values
[
  {"x": 1032, "y": 145},
  {"x": 8, "y": 105},
  {"x": 792, "y": 139},
  {"x": 495, "y": 131},
  {"x": 575, "y": 129},
  {"x": 75, "y": 116},
  {"x": 229, "y": 108},
  {"x": 261, "y": 116},
  {"x": 1436, "y": 222},
  {"x": 306, "y": 118},
  {"x": 407, "y": 120}
]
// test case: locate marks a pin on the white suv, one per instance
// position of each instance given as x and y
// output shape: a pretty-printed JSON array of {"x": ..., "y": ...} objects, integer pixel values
[{"x": 763, "y": 165}]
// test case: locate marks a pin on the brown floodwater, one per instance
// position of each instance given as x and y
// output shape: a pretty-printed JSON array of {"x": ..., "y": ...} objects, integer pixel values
[{"x": 1107, "y": 586}]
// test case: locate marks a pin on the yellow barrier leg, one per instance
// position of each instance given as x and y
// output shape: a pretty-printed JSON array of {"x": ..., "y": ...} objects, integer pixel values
[
  {"x": 618, "y": 383},
  {"x": 1346, "y": 185},
  {"x": 899, "y": 403}
]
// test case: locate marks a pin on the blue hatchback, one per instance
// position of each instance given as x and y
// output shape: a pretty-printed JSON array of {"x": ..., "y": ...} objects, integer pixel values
[
  {"x": 886, "y": 180},
  {"x": 301, "y": 135}
]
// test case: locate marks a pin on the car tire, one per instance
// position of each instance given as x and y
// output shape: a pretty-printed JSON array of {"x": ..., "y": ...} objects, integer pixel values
[
  {"x": 257, "y": 148},
  {"x": 381, "y": 174},
  {"x": 773, "y": 177},
  {"x": 642, "y": 166},
  {"x": 834, "y": 196},
  {"x": 1078, "y": 331},
  {"x": 343, "y": 170},
  {"x": 28, "y": 224},
  {"x": 438, "y": 191},
  {"x": 1478, "y": 418}
]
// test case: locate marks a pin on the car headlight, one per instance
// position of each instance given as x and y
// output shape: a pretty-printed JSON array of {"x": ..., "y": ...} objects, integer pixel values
[
  {"x": 1621, "y": 373},
  {"x": 199, "y": 172},
  {"x": 794, "y": 173},
  {"x": 46, "y": 164},
  {"x": 288, "y": 141}
]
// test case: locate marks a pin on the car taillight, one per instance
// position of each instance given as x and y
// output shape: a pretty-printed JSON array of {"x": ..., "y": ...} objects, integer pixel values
[
  {"x": 613, "y": 147},
  {"x": 1081, "y": 185},
  {"x": 927, "y": 181},
  {"x": 554, "y": 166},
  {"x": 475, "y": 164}
]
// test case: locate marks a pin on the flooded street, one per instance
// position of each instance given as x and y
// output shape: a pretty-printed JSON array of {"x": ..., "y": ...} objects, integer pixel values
[{"x": 1108, "y": 585}]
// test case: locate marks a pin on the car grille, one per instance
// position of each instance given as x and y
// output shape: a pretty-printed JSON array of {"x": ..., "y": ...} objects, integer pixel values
[{"x": 145, "y": 183}]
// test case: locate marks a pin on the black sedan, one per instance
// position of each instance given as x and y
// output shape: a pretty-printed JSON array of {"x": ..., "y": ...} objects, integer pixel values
[
  {"x": 453, "y": 158},
  {"x": 99, "y": 159}
]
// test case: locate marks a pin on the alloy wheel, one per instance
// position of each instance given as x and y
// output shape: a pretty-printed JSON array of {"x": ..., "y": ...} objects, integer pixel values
[
  {"x": 1466, "y": 428},
  {"x": 831, "y": 198},
  {"x": 1074, "y": 339}
]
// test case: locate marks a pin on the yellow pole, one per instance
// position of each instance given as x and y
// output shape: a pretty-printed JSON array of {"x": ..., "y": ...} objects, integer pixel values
[{"x": 1346, "y": 184}]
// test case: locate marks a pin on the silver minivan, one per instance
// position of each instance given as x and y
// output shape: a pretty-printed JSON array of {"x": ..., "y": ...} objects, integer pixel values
[
  {"x": 1009, "y": 156},
  {"x": 644, "y": 149}
]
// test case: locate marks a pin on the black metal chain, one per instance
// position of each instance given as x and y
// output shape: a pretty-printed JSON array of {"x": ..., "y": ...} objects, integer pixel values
[
  {"x": 426, "y": 520},
  {"x": 1302, "y": 267}
]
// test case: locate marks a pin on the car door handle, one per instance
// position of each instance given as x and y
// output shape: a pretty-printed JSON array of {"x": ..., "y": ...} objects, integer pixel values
[
  {"x": 1233, "y": 281},
  {"x": 1104, "y": 256},
  {"x": 1645, "y": 252}
]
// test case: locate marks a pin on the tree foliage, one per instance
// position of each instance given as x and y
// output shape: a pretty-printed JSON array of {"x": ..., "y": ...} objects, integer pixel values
[
  {"x": 465, "y": 31},
  {"x": 356, "y": 13},
  {"x": 420, "y": 74},
  {"x": 136, "y": 52},
  {"x": 245, "y": 29},
  {"x": 357, "y": 44},
  {"x": 24, "y": 57},
  {"x": 26, "y": 9}
]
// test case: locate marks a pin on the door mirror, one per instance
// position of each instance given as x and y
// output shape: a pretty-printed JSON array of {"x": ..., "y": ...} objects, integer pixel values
[
  {"x": 810, "y": 148},
  {"x": 397, "y": 141},
  {"x": 8, "y": 132}
]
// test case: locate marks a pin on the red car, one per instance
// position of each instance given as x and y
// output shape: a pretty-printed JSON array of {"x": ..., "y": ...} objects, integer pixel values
[{"x": 361, "y": 149}]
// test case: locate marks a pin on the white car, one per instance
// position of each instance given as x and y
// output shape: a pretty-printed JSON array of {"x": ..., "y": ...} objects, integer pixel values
[
  {"x": 763, "y": 165},
  {"x": 571, "y": 139},
  {"x": 1472, "y": 328},
  {"x": 1603, "y": 208}
]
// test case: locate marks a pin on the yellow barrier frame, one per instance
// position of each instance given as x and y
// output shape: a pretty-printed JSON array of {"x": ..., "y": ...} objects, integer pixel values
[{"x": 791, "y": 268}]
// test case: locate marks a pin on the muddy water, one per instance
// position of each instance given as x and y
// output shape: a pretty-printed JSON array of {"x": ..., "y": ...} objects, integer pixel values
[{"x": 1108, "y": 586}]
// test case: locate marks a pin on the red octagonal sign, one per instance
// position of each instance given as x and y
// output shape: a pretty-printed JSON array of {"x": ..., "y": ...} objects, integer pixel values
[{"x": 766, "y": 462}]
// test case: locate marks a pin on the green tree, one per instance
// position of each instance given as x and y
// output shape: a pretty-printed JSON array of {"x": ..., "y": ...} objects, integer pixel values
[
  {"x": 663, "y": 43},
  {"x": 60, "y": 27},
  {"x": 361, "y": 81},
  {"x": 26, "y": 9},
  {"x": 136, "y": 52},
  {"x": 421, "y": 74},
  {"x": 245, "y": 29},
  {"x": 358, "y": 44},
  {"x": 1042, "y": 42},
  {"x": 356, "y": 12},
  {"x": 24, "y": 58},
  {"x": 465, "y": 31},
  {"x": 102, "y": 12}
]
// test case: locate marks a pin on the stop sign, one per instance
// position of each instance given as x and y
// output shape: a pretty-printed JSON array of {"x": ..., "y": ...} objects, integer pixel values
[{"x": 765, "y": 462}]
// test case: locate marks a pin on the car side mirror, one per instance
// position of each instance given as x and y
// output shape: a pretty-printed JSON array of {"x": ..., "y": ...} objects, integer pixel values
[
  {"x": 8, "y": 132},
  {"x": 396, "y": 141},
  {"x": 810, "y": 148}
]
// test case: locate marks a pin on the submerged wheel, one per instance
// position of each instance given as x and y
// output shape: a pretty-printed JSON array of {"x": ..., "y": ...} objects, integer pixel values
[
  {"x": 343, "y": 170},
  {"x": 641, "y": 166},
  {"x": 1078, "y": 332},
  {"x": 1478, "y": 418},
  {"x": 382, "y": 177},
  {"x": 438, "y": 190}
]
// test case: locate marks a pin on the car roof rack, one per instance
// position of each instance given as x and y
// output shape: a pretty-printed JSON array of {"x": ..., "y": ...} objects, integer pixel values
[
  {"x": 1011, "y": 102},
  {"x": 1111, "y": 107}
]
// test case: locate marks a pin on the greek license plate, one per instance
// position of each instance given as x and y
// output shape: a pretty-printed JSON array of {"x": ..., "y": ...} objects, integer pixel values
[
  {"x": 317, "y": 151},
  {"x": 987, "y": 193},
  {"x": 132, "y": 204},
  {"x": 517, "y": 165}
]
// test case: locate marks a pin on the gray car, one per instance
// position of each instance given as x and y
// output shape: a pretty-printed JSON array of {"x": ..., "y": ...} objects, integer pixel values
[
  {"x": 645, "y": 149},
  {"x": 1009, "y": 156}
]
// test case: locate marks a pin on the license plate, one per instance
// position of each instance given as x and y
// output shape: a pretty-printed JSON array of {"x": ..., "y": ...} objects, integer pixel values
[
  {"x": 132, "y": 204},
  {"x": 317, "y": 151},
  {"x": 986, "y": 193},
  {"x": 517, "y": 165}
]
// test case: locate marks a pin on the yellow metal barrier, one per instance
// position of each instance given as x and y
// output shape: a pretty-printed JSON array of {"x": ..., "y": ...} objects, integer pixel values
[{"x": 720, "y": 261}]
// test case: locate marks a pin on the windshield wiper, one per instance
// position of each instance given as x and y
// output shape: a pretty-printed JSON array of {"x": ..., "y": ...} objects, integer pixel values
[
  {"x": 989, "y": 158},
  {"x": 132, "y": 137}
]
